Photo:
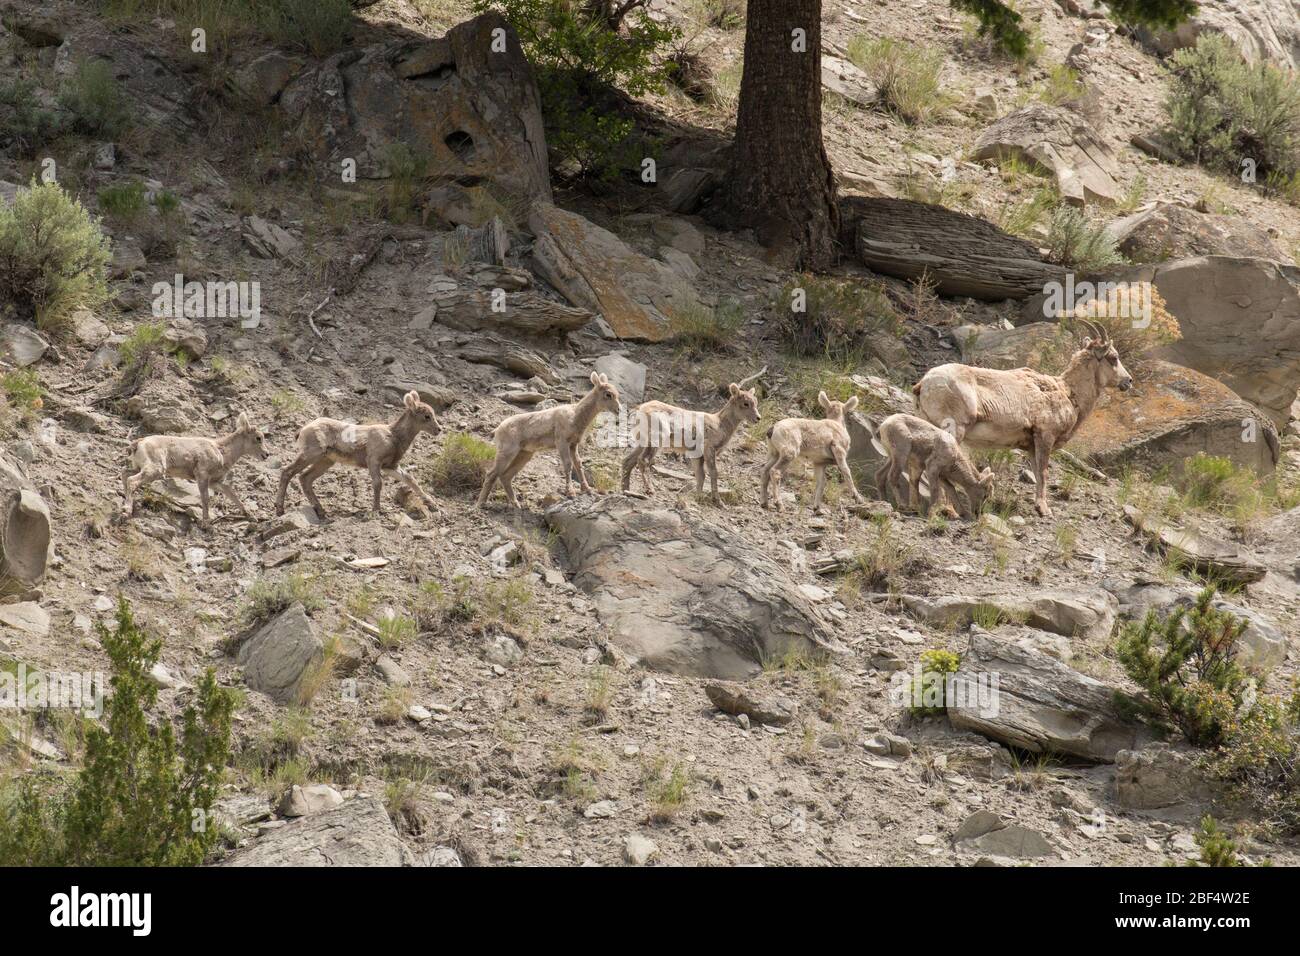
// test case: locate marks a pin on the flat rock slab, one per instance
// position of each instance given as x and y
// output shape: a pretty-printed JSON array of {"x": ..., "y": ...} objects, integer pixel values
[
  {"x": 1087, "y": 614},
  {"x": 681, "y": 594},
  {"x": 1061, "y": 143},
  {"x": 358, "y": 833},
  {"x": 1169, "y": 231},
  {"x": 1038, "y": 703},
  {"x": 1221, "y": 559},
  {"x": 595, "y": 270},
  {"x": 761, "y": 706},
  {"x": 26, "y": 617}
]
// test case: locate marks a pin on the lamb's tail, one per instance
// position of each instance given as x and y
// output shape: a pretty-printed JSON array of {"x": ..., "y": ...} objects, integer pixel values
[
  {"x": 916, "y": 389},
  {"x": 770, "y": 429}
]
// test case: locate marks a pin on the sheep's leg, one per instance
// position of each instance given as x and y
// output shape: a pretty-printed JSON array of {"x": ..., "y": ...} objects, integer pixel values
[
  {"x": 376, "y": 484},
  {"x": 494, "y": 472},
  {"x": 842, "y": 463},
  {"x": 308, "y": 478},
  {"x": 131, "y": 484},
  {"x": 779, "y": 475},
  {"x": 411, "y": 483},
  {"x": 566, "y": 467},
  {"x": 914, "y": 488},
  {"x": 711, "y": 466},
  {"x": 286, "y": 475},
  {"x": 819, "y": 470},
  {"x": 1042, "y": 455},
  {"x": 582, "y": 472},
  {"x": 647, "y": 465},
  {"x": 203, "y": 500},
  {"x": 508, "y": 477},
  {"x": 765, "y": 478},
  {"x": 697, "y": 466},
  {"x": 630, "y": 462},
  {"x": 229, "y": 492}
]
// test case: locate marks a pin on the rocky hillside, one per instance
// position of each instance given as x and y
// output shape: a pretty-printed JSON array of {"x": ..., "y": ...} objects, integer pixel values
[{"x": 638, "y": 678}]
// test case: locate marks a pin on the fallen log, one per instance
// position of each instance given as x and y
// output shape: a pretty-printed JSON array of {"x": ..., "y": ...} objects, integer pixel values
[{"x": 960, "y": 254}]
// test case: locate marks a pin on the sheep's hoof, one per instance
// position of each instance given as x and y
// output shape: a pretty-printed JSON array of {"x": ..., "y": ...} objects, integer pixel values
[{"x": 1044, "y": 511}]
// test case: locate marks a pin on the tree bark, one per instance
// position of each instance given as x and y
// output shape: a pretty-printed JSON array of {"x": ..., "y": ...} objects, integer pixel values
[{"x": 781, "y": 181}]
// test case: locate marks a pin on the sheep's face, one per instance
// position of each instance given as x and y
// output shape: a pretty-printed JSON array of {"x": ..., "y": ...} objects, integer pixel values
[
  {"x": 422, "y": 412},
  {"x": 835, "y": 411},
  {"x": 252, "y": 440},
  {"x": 980, "y": 491},
  {"x": 1111, "y": 371},
  {"x": 607, "y": 398},
  {"x": 746, "y": 401}
]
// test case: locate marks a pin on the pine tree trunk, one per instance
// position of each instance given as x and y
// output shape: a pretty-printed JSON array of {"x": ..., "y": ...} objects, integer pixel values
[{"x": 781, "y": 181}]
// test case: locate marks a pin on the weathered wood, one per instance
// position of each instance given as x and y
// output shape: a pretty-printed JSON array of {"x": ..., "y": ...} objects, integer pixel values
[
  {"x": 488, "y": 243},
  {"x": 962, "y": 255},
  {"x": 471, "y": 310},
  {"x": 491, "y": 350}
]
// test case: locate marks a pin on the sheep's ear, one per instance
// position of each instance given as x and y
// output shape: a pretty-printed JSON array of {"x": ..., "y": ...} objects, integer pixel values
[
  {"x": 244, "y": 422},
  {"x": 411, "y": 398},
  {"x": 851, "y": 404},
  {"x": 604, "y": 379},
  {"x": 822, "y": 400},
  {"x": 595, "y": 378},
  {"x": 986, "y": 476},
  {"x": 1087, "y": 342},
  {"x": 733, "y": 389}
]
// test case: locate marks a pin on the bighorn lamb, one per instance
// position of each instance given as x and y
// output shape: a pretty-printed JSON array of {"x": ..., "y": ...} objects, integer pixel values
[
  {"x": 563, "y": 427},
  {"x": 206, "y": 461},
  {"x": 915, "y": 447},
  {"x": 698, "y": 436},
  {"x": 820, "y": 443},
  {"x": 1022, "y": 408},
  {"x": 326, "y": 442}
]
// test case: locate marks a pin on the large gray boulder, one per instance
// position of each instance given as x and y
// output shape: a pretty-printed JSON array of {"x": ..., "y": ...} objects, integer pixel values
[
  {"x": 1240, "y": 320},
  {"x": 1159, "y": 777},
  {"x": 1263, "y": 30},
  {"x": 24, "y": 531},
  {"x": 1262, "y": 646},
  {"x": 358, "y": 833},
  {"x": 280, "y": 653},
  {"x": 1167, "y": 231},
  {"x": 1061, "y": 143},
  {"x": 463, "y": 101},
  {"x": 1039, "y": 704},
  {"x": 678, "y": 593}
]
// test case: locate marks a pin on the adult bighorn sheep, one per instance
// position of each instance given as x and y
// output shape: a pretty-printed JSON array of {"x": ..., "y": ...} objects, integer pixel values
[
  {"x": 1021, "y": 408},
  {"x": 326, "y": 442}
]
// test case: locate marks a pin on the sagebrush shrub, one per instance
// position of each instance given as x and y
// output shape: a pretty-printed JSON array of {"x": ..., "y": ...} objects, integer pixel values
[
  {"x": 52, "y": 256},
  {"x": 96, "y": 102},
  {"x": 936, "y": 665},
  {"x": 1077, "y": 242},
  {"x": 25, "y": 125},
  {"x": 145, "y": 793},
  {"x": 1222, "y": 110},
  {"x": 833, "y": 318}
]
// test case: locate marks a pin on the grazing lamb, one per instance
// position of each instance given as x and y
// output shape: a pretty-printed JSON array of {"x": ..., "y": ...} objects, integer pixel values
[
  {"x": 562, "y": 428},
  {"x": 915, "y": 447},
  {"x": 206, "y": 461},
  {"x": 326, "y": 442},
  {"x": 699, "y": 436},
  {"x": 821, "y": 443},
  {"x": 1022, "y": 408}
]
